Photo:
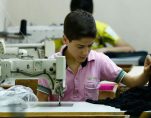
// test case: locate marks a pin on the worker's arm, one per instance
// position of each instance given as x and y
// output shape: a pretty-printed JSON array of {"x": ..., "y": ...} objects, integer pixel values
[
  {"x": 119, "y": 46},
  {"x": 140, "y": 79}
]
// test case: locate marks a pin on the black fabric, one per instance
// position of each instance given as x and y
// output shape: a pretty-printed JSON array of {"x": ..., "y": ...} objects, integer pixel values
[
  {"x": 142, "y": 55},
  {"x": 134, "y": 101}
]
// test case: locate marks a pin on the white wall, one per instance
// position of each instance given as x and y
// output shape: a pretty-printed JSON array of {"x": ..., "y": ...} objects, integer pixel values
[
  {"x": 38, "y": 11},
  {"x": 2, "y": 13},
  {"x": 129, "y": 18}
]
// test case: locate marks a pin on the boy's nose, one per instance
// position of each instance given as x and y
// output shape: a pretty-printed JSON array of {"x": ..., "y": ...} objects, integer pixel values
[{"x": 85, "y": 51}]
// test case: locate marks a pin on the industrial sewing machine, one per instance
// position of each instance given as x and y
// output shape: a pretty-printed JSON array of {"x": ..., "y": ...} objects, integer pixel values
[
  {"x": 31, "y": 41},
  {"x": 52, "y": 69},
  {"x": 31, "y": 33},
  {"x": 27, "y": 50}
]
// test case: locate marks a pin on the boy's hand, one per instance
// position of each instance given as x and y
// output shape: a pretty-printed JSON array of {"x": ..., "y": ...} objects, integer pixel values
[{"x": 147, "y": 65}]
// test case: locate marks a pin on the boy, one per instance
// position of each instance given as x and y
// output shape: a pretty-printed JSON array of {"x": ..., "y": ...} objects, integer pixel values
[{"x": 85, "y": 67}]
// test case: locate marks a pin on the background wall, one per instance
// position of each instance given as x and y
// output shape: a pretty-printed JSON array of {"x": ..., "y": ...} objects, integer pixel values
[
  {"x": 2, "y": 14},
  {"x": 129, "y": 18}
]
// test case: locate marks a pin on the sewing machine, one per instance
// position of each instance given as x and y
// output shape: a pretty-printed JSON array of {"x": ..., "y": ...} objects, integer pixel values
[
  {"x": 52, "y": 69},
  {"x": 27, "y": 50},
  {"x": 35, "y": 34}
]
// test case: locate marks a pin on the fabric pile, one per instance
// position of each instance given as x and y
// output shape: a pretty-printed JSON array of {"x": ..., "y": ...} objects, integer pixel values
[{"x": 134, "y": 101}]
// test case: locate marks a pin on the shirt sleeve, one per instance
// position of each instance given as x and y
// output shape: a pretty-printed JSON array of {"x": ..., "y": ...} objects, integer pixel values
[
  {"x": 109, "y": 70},
  {"x": 44, "y": 86}
]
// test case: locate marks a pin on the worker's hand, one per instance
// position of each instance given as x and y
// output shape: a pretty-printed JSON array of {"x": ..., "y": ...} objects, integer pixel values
[
  {"x": 115, "y": 49},
  {"x": 147, "y": 65}
]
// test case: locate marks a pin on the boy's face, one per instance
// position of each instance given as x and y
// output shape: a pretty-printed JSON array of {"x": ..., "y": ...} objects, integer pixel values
[{"x": 79, "y": 49}]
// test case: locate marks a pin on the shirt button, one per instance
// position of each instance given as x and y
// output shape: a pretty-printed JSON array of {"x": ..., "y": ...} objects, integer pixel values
[{"x": 75, "y": 92}]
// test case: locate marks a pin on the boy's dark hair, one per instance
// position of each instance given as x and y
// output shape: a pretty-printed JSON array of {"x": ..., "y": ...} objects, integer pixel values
[
  {"x": 79, "y": 24},
  {"x": 86, "y": 5}
]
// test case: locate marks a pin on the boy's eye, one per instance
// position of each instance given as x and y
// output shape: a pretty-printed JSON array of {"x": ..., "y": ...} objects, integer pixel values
[
  {"x": 90, "y": 46},
  {"x": 80, "y": 47}
]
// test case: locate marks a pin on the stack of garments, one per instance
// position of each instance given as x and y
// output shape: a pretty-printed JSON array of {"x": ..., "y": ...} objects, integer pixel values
[{"x": 134, "y": 101}]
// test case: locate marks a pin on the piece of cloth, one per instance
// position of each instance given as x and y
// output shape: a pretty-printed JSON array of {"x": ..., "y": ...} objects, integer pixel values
[
  {"x": 83, "y": 85},
  {"x": 134, "y": 101},
  {"x": 105, "y": 34}
]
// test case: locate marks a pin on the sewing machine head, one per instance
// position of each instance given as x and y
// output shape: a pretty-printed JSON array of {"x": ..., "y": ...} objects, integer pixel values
[
  {"x": 12, "y": 69},
  {"x": 24, "y": 50}
]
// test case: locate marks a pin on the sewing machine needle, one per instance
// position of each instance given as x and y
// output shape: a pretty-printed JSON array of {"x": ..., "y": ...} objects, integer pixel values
[{"x": 59, "y": 100}]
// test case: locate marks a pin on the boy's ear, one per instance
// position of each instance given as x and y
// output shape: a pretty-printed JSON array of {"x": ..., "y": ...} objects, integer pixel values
[{"x": 65, "y": 40}]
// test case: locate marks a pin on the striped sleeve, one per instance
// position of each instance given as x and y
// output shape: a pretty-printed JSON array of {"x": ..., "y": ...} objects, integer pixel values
[
  {"x": 120, "y": 76},
  {"x": 44, "y": 86}
]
